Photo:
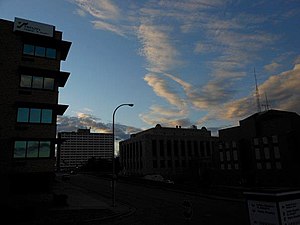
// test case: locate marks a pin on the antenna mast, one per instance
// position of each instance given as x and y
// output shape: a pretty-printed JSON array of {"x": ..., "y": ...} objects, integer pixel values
[
  {"x": 257, "y": 93},
  {"x": 267, "y": 103}
]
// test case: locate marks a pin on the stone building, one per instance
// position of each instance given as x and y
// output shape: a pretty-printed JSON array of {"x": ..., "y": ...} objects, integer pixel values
[{"x": 171, "y": 152}]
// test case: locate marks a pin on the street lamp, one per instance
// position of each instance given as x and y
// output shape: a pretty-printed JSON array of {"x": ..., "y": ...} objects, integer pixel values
[{"x": 113, "y": 154}]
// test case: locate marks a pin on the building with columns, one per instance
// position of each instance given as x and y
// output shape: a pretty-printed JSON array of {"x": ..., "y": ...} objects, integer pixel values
[{"x": 170, "y": 152}]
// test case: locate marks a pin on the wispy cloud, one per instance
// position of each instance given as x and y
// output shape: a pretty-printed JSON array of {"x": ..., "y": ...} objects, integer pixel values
[
  {"x": 157, "y": 48},
  {"x": 272, "y": 67}
]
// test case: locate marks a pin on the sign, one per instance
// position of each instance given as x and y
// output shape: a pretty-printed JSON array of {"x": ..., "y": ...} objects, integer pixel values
[
  {"x": 33, "y": 27},
  {"x": 290, "y": 212},
  {"x": 263, "y": 213}
]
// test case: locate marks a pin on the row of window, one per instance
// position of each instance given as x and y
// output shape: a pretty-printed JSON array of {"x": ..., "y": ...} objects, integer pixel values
[
  {"x": 36, "y": 82},
  {"x": 228, "y": 156},
  {"x": 32, "y": 149},
  {"x": 268, "y": 165},
  {"x": 229, "y": 166},
  {"x": 266, "y": 153},
  {"x": 39, "y": 51},
  {"x": 34, "y": 115},
  {"x": 266, "y": 140}
]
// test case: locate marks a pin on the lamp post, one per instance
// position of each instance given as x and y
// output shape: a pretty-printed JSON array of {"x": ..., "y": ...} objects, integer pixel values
[{"x": 113, "y": 155}]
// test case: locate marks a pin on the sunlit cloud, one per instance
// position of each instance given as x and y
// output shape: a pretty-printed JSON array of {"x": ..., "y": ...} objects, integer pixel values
[
  {"x": 272, "y": 67},
  {"x": 88, "y": 121}
]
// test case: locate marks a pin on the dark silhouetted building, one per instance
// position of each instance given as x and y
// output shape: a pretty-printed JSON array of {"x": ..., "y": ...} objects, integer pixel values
[
  {"x": 171, "y": 152},
  {"x": 264, "y": 150},
  {"x": 78, "y": 147},
  {"x": 30, "y": 56}
]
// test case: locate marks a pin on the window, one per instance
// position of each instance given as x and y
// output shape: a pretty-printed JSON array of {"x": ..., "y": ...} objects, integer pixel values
[
  {"x": 275, "y": 139},
  {"x": 32, "y": 149},
  {"x": 39, "y": 51},
  {"x": 268, "y": 166},
  {"x": 228, "y": 155},
  {"x": 34, "y": 115},
  {"x": 37, "y": 82},
  {"x": 258, "y": 166},
  {"x": 222, "y": 167},
  {"x": 236, "y": 166},
  {"x": 267, "y": 153},
  {"x": 28, "y": 49},
  {"x": 162, "y": 164},
  {"x": 235, "y": 155},
  {"x": 276, "y": 152},
  {"x": 221, "y": 156},
  {"x": 265, "y": 140}
]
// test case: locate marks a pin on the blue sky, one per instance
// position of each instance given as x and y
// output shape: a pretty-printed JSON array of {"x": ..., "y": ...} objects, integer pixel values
[{"x": 180, "y": 62}]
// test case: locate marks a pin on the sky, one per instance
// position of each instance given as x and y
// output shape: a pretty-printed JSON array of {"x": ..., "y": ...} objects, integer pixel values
[{"x": 181, "y": 62}]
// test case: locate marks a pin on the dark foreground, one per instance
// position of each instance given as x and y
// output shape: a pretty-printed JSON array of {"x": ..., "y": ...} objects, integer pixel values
[{"x": 136, "y": 204}]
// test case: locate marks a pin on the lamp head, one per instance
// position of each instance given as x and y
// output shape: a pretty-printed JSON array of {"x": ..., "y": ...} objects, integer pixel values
[{"x": 131, "y": 105}]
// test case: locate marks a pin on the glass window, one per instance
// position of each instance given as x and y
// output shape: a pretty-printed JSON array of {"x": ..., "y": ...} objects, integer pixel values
[
  {"x": 35, "y": 116},
  {"x": 20, "y": 149},
  {"x": 268, "y": 166},
  {"x": 49, "y": 83},
  {"x": 28, "y": 49},
  {"x": 265, "y": 140},
  {"x": 40, "y": 51},
  {"x": 256, "y": 142},
  {"x": 23, "y": 114},
  {"x": 46, "y": 116},
  {"x": 32, "y": 149},
  {"x": 51, "y": 53},
  {"x": 37, "y": 82},
  {"x": 236, "y": 166},
  {"x": 222, "y": 167},
  {"x": 229, "y": 166},
  {"x": 44, "y": 149},
  {"x": 25, "y": 81}
]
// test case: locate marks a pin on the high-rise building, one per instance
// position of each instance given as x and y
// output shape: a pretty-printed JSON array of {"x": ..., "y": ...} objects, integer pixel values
[
  {"x": 78, "y": 147},
  {"x": 30, "y": 57},
  {"x": 171, "y": 152}
]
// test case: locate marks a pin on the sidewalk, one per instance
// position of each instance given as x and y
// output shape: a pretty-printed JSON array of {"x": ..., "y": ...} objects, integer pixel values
[{"x": 68, "y": 205}]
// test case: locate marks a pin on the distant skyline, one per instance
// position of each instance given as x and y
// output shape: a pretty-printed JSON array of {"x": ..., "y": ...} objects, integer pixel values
[{"x": 181, "y": 63}]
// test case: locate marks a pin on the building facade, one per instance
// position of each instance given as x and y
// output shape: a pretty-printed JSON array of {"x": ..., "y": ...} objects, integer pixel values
[
  {"x": 30, "y": 57},
  {"x": 78, "y": 147},
  {"x": 263, "y": 150},
  {"x": 170, "y": 152}
]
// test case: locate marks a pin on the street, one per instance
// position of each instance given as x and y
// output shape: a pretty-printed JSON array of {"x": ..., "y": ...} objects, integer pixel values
[{"x": 155, "y": 205}]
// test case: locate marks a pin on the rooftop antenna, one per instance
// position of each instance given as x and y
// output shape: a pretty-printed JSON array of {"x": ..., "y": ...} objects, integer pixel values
[
  {"x": 266, "y": 105},
  {"x": 257, "y": 93}
]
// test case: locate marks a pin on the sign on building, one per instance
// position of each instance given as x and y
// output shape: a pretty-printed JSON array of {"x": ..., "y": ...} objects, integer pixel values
[{"x": 33, "y": 27}]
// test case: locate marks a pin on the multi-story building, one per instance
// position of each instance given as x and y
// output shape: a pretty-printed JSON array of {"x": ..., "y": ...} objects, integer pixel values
[
  {"x": 170, "y": 152},
  {"x": 78, "y": 147},
  {"x": 30, "y": 57},
  {"x": 263, "y": 150}
]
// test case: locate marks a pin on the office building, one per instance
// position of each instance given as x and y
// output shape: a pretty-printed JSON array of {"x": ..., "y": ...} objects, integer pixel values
[
  {"x": 175, "y": 153},
  {"x": 30, "y": 57},
  {"x": 262, "y": 151},
  {"x": 78, "y": 147}
]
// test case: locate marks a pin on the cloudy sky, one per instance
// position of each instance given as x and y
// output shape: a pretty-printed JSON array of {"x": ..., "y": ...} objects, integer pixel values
[{"x": 181, "y": 62}]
